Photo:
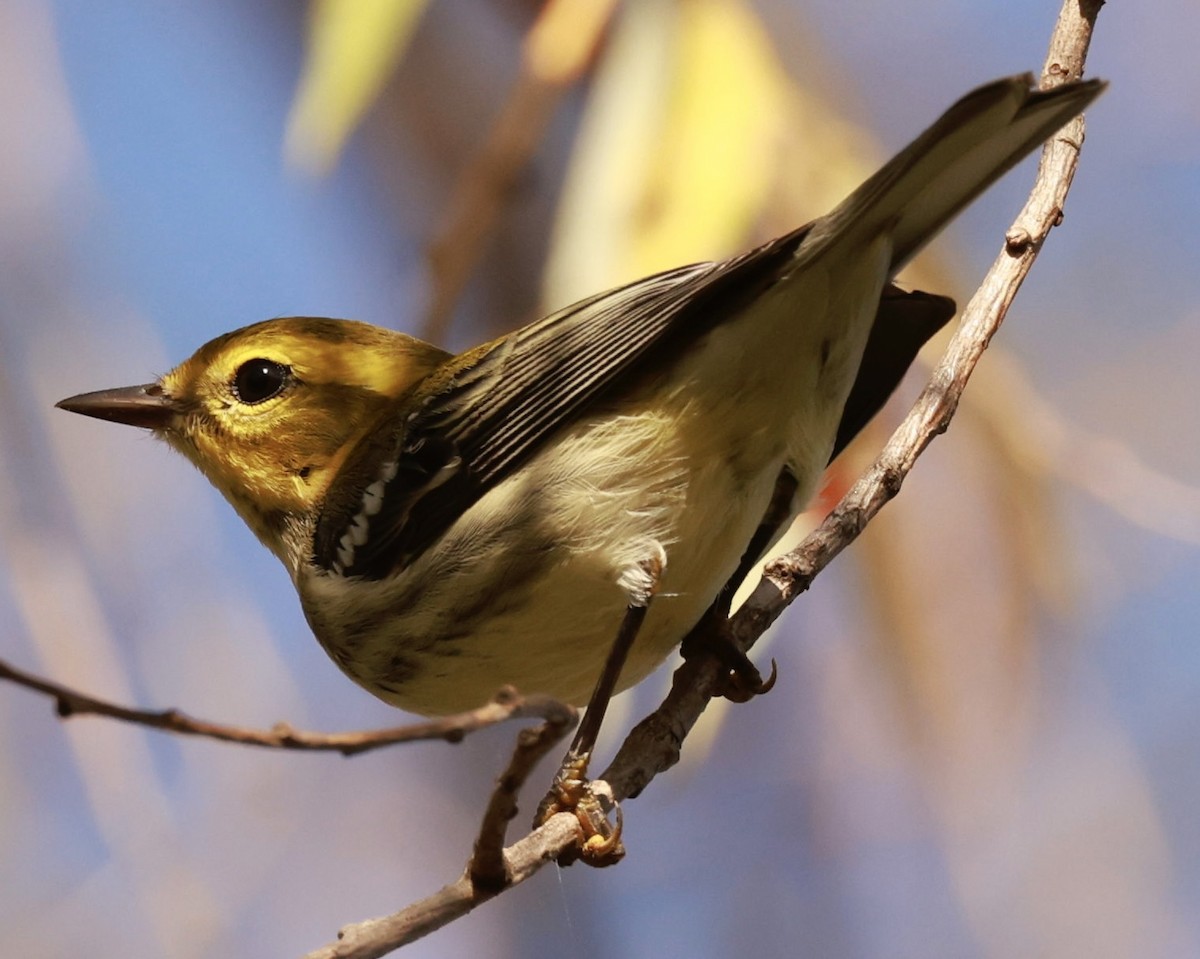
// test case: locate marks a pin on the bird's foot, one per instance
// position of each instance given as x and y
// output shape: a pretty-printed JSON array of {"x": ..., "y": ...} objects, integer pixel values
[{"x": 590, "y": 802}]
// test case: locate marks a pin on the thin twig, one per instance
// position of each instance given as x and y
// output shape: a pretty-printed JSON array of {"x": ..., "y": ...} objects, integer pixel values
[
  {"x": 507, "y": 704},
  {"x": 791, "y": 574},
  {"x": 488, "y": 869},
  {"x": 377, "y": 937}
]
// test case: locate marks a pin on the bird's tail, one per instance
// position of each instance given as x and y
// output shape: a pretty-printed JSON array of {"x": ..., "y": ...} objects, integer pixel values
[{"x": 968, "y": 148}]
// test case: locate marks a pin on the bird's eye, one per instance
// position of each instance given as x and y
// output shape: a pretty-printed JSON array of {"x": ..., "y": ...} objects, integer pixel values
[{"x": 258, "y": 380}]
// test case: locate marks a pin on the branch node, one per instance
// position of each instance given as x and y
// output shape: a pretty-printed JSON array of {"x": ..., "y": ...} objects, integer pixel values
[
  {"x": 1017, "y": 241},
  {"x": 891, "y": 478},
  {"x": 285, "y": 731}
]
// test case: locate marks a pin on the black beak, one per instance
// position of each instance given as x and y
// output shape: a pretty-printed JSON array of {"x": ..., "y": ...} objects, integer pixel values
[{"x": 145, "y": 406}]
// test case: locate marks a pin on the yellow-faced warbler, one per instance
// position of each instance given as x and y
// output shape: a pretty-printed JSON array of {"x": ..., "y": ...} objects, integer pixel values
[{"x": 456, "y": 523}]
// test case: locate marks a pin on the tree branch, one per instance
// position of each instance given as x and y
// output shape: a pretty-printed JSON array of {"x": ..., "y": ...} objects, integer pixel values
[
  {"x": 507, "y": 704},
  {"x": 488, "y": 869},
  {"x": 654, "y": 744},
  {"x": 791, "y": 574}
]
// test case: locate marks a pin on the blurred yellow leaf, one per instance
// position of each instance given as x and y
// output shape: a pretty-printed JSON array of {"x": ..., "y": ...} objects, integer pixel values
[
  {"x": 713, "y": 164},
  {"x": 678, "y": 149},
  {"x": 557, "y": 51},
  {"x": 353, "y": 45},
  {"x": 563, "y": 38}
]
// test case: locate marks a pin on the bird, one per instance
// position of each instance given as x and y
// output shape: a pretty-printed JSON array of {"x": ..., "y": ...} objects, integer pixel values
[{"x": 457, "y": 523}]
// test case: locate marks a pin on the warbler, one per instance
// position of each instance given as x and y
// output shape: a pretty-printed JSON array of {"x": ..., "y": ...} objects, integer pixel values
[{"x": 456, "y": 523}]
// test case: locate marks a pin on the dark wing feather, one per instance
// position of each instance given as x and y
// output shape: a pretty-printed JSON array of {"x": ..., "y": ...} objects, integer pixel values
[
  {"x": 403, "y": 488},
  {"x": 483, "y": 421},
  {"x": 904, "y": 321}
]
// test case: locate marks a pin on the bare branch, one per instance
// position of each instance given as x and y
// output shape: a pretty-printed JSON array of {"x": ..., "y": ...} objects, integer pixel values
[
  {"x": 507, "y": 704},
  {"x": 653, "y": 746},
  {"x": 378, "y": 937},
  {"x": 488, "y": 869},
  {"x": 931, "y": 414}
]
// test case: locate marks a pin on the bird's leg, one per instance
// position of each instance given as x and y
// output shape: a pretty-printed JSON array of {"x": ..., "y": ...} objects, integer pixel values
[
  {"x": 743, "y": 681},
  {"x": 571, "y": 791}
]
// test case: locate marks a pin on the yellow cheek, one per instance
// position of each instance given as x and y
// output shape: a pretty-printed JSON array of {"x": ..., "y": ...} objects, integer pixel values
[{"x": 245, "y": 474}]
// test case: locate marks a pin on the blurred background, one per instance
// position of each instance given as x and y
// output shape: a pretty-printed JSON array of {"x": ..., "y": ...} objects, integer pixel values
[{"x": 985, "y": 739}]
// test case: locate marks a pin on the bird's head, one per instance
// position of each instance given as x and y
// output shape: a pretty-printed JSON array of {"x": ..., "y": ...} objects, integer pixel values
[{"x": 269, "y": 412}]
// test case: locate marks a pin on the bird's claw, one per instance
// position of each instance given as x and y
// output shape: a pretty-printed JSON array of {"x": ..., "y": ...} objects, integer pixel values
[
  {"x": 743, "y": 682},
  {"x": 590, "y": 803}
]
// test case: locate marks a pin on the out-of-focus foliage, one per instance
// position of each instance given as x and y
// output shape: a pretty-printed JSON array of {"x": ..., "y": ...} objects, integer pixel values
[
  {"x": 679, "y": 148},
  {"x": 353, "y": 47}
]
